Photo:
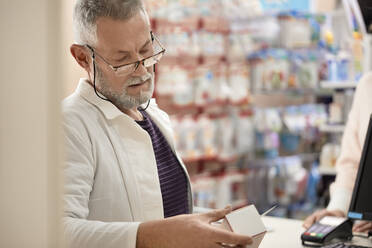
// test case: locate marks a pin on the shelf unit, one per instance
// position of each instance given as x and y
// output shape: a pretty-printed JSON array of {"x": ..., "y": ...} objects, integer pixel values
[
  {"x": 327, "y": 171},
  {"x": 338, "y": 84},
  {"x": 247, "y": 165},
  {"x": 330, "y": 128}
]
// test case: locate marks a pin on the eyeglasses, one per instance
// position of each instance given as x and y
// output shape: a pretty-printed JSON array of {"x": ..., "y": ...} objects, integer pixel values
[{"x": 129, "y": 68}]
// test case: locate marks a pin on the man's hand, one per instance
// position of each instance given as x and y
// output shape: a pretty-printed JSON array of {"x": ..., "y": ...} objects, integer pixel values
[
  {"x": 184, "y": 231},
  {"x": 320, "y": 214},
  {"x": 362, "y": 226}
]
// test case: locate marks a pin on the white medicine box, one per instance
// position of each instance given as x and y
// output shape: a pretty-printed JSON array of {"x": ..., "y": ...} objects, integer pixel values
[{"x": 246, "y": 221}]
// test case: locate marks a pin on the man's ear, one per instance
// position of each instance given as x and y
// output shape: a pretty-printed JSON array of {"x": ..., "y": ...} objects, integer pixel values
[{"x": 81, "y": 55}]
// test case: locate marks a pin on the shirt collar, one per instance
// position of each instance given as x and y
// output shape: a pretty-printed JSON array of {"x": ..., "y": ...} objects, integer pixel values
[{"x": 86, "y": 90}]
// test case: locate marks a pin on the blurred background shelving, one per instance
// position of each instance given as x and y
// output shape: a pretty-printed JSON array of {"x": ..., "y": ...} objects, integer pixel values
[{"x": 258, "y": 94}]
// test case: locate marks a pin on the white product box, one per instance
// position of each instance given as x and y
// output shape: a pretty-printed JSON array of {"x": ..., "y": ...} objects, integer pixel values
[{"x": 246, "y": 221}]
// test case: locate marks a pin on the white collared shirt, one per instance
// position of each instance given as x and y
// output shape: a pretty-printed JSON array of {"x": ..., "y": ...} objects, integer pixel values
[{"x": 111, "y": 178}]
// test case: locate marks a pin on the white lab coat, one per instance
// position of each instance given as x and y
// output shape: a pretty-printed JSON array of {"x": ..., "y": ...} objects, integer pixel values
[{"x": 111, "y": 181}]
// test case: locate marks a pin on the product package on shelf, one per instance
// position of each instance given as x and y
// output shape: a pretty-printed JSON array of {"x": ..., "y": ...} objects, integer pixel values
[
  {"x": 204, "y": 85},
  {"x": 186, "y": 134},
  {"x": 221, "y": 137},
  {"x": 305, "y": 69},
  {"x": 282, "y": 181},
  {"x": 344, "y": 53},
  {"x": 239, "y": 44},
  {"x": 339, "y": 67},
  {"x": 204, "y": 8},
  {"x": 288, "y": 131},
  {"x": 329, "y": 155},
  {"x": 241, "y": 9},
  {"x": 244, "y": 135},
  {"x": 268, "y": 125},
  {"x": 168, "y": 12},
  {"x": 340, "y": 107},
  {"x": 277, "y": 69},
  {"x": 262, "y": 37},
  {"x": 295, "y": 31},
  {"x": 225, "y": 138},
  {"x": 220, "y": 190}
]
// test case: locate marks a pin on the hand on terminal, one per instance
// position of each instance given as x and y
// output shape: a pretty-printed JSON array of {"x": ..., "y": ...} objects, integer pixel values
[
  {"x": 316, "y": 216},
  {"x": 193, "y": 230}
]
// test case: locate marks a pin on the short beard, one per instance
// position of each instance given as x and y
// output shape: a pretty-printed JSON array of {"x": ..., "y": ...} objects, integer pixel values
[{"x": 121, "y": 99}]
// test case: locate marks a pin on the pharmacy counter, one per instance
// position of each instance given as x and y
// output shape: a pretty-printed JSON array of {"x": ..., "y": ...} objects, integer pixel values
[
  {"x": 282, "y": 233},
  {"x": 286, "y": 233}
]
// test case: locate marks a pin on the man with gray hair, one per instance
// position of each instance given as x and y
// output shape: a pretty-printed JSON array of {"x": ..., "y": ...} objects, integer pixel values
[{"x": 125, "y": 185}]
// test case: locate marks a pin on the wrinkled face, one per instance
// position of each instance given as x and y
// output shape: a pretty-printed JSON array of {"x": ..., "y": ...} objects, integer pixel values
[{"x": 120, "y": 43}]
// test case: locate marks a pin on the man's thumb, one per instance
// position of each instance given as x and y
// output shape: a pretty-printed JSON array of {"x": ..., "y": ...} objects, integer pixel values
[{"x": 218, "y": 214}]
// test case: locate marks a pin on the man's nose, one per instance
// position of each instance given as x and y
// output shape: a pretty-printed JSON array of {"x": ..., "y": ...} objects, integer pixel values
[{"x": 140, "y": 70}]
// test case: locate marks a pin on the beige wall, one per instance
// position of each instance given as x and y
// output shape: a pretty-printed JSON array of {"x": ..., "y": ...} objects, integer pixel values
[
  {"x": 30, "y": 140},
  {"x": 72, "y": 71}
]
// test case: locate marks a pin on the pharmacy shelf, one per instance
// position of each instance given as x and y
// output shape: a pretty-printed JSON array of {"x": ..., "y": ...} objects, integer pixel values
[
  {"x": 327, "y": 171},
  {"x": 271, "y": 162},
  {"x": 337, "y": 85},
  {"x": 329, "y": 128}
]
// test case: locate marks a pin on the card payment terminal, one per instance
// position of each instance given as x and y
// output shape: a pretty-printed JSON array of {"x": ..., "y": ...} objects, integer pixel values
[{"x": 326, "y": 229}]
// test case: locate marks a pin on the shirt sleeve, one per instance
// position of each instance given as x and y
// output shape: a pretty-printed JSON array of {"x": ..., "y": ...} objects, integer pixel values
[
  {"x": 348, "y": 161},
  {"x": 79, "y": 173}
]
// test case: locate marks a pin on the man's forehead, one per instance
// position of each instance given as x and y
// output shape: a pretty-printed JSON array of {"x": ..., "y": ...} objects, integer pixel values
[{"x": 118, "y": 34}]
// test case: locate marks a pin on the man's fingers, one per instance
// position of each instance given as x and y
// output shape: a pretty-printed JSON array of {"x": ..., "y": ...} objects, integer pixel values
[
  {"x": 227, "y": 237},
  {"x": 217, "y": 214}
]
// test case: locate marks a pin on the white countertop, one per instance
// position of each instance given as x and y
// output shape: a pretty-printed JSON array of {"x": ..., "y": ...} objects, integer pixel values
[
  {"x": 282, "y": 233},
  {"x": 286, "y": 233}
]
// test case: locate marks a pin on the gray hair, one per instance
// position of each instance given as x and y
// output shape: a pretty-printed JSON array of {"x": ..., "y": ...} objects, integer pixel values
[{"x": 87, "y": 12}]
